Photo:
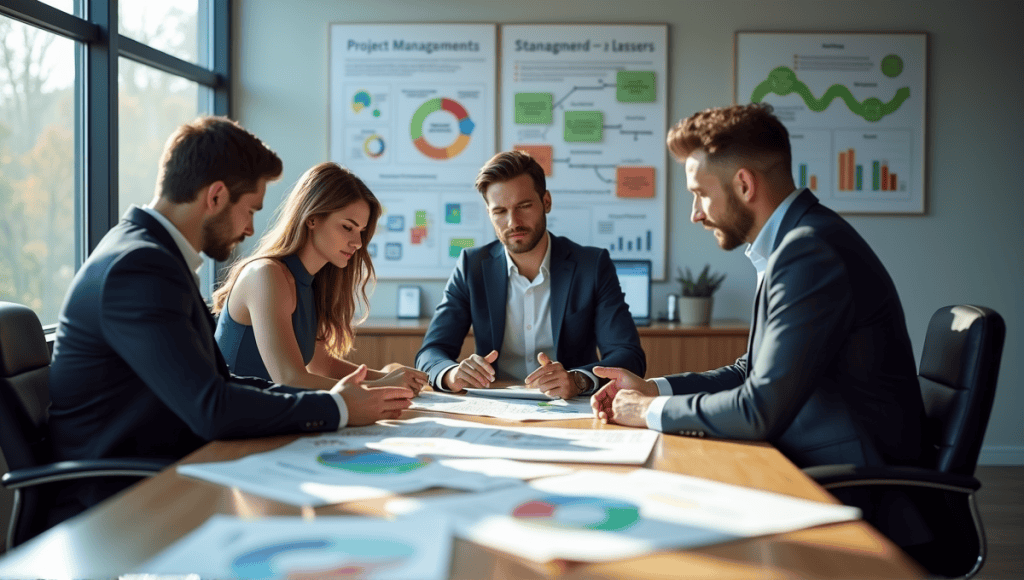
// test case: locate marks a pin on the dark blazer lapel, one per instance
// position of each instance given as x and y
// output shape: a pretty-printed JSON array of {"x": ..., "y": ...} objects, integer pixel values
[
  {"x": 563, "y": 268},
  {"x": 804, "y": 201},
  {"x": 496, "y": 288},
  {"x": 754, "y": 327}
]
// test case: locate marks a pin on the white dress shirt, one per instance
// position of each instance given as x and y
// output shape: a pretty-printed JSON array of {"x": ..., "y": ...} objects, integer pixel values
[
  {"x": 758, "y": 253},
  {"x": 195, "y": 262}
]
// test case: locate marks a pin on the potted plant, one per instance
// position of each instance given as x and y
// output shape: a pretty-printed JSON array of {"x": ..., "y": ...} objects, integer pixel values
[{"x": 697, "y": 298}]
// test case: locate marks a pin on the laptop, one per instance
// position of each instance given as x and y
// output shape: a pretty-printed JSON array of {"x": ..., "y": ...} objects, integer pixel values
[{"x": 635, "y": 280}]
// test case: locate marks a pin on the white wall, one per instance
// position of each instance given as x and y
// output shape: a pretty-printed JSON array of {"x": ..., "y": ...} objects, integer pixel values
[{"x": 966, "y": 249}]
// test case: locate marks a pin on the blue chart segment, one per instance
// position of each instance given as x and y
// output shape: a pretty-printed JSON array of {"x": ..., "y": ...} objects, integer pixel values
[
  {"x": 334, "y": 557},
  {"x": 371, "y": 462}
]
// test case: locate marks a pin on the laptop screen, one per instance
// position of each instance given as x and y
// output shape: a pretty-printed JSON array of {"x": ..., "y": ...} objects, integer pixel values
[{"x": 635, "y": 280}]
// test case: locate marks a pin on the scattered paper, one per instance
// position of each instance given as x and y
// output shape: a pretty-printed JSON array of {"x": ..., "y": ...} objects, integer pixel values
[
  {"x": 454, "y": 438},
  {"x": 511, "y": 392},
  {"x": 328, "y": 469},
  {"x": 599, "y": 516},
  {"x": 514, "y": 409},
  {"x": 411, "y": 548}
]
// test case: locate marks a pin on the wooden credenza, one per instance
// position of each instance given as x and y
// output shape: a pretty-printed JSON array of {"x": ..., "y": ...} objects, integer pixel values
[{"x": 670, "y": 347}]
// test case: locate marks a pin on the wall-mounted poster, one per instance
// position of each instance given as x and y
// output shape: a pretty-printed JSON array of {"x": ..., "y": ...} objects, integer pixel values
[
  {"x": 412, "y": 114},
  {"x": 589, "y": 102},
  {"x": 854, "y": 105}
]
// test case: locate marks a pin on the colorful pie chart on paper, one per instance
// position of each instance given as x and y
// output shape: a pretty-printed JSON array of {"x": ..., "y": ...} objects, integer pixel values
[
  {"x": 321, "y": 558},
  {"x": 419, "y": 118},
  {"x": 371, "y": 462},
  {"x": 579, "y": 512},
  {"x": 360, "y": 101}
]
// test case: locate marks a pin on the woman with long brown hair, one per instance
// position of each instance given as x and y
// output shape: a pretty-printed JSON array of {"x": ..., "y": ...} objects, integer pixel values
[{"x": 286, "y": 311}]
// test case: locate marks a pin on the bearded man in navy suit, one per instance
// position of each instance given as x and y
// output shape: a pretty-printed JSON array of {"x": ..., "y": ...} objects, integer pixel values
[{"x": 829, "y": 375}]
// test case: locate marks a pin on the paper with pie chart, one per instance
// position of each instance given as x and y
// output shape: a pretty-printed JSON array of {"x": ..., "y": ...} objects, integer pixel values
[
  {"x": 413, "y": 548},
  {"x": 412, "y": 113},
  {"x": 599, "y": 516},
  {"x": 439, "y": 436},
  {"x": 329, "y": 469}
]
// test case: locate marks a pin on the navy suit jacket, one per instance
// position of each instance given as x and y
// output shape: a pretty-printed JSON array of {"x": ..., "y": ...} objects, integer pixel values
[
  {"x": 588, "y": 310},
  {"x": 829, "y": 375},
  {"x": 136, "y": 371}
]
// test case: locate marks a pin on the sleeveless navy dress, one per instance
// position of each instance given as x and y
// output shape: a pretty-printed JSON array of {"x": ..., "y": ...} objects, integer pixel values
[{"x": 238, "y": 343}]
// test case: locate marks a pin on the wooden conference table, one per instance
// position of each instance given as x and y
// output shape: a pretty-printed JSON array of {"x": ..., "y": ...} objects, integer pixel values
[{"x": 132, "y": 527}]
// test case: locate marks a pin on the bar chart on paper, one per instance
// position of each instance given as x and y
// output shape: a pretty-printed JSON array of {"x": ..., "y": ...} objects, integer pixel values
[
  {"x": 812, "y": 163},
  {"x": 872, "y": 164}
]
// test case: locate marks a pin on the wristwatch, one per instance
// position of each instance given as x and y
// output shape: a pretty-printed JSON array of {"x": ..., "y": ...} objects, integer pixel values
[{"x": 580, "y": 381}]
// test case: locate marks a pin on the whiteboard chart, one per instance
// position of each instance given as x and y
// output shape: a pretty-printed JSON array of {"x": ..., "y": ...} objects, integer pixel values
[
  {"x": 854, "y": 105},
  {"x": 412, "y": 114},
  {"x": 589, "y": 102}
]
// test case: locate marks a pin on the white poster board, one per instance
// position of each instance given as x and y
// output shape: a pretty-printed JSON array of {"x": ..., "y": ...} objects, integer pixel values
[
  {"x": 854, "y": 105},
  {"x": 412, "y": 114},
  {"x": 590, "y": 103}
]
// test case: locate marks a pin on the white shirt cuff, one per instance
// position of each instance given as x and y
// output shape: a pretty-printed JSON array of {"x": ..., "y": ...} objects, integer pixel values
[
  {"x": 664, "y": 387},
  {"x": 440, "y": 378},
  {"x": 342, "y": 410},
  {"x": 653, "y": 417}
]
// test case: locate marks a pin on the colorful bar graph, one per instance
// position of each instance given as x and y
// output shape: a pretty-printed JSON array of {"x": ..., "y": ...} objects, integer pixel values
[{"x": 851, "y": 174}]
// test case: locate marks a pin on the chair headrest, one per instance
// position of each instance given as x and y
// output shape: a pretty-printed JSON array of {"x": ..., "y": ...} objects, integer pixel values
[{"x": 22, "y": 342}]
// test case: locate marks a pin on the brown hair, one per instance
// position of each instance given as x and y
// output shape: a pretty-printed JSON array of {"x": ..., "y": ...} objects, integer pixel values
[
  {"x": 213, "y": 149},
  {"x": 739, "y": 132},
  {"x": 509, "y": 165},
  {"x": 322, "y": 190}
]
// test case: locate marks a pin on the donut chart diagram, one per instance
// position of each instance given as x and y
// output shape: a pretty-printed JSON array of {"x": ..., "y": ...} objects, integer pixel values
[
  {"x": 355, "y": 557},
  {"x": 370, "y": 462},
  {"x": 419, "y": 118},
  {"x": 579, "y": 512},
  {"x": 374, "y": 146}
]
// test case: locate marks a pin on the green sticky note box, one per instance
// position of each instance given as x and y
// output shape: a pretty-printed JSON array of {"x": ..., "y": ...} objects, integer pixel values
[
  {"x": 533, "y": 108},
  {"x": 632, "y": 86},
  {"x": 585, "y": 126}
]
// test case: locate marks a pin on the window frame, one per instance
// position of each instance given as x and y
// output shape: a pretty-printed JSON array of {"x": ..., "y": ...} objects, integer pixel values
[{"x": 98, "y": 47}]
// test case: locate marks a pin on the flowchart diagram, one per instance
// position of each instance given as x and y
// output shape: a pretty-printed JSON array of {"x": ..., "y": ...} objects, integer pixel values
[{"x": 413, "y": 114}]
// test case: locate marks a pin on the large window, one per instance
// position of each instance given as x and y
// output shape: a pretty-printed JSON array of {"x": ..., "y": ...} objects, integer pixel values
[
  {"x": 89, "y": 92},
  {"x": 37, "y": 166}
]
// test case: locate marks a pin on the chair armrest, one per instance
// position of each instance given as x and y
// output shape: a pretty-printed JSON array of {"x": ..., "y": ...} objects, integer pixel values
[
  {"x": 844, "y": 476},
  {"x": 68, "y": 470}
]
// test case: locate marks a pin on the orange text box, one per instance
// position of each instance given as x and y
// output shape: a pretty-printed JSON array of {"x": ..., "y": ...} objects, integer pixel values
[
  {"x": 542, "y": 153},
  {"x": 634, "y": 181}
]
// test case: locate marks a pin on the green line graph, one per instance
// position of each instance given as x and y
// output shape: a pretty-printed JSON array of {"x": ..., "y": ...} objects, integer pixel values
[{"x": 782, "y": 81}]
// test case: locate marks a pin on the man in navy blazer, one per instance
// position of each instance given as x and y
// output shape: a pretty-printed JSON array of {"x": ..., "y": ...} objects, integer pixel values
[
  {"x": 136, "y": 371},
  {"x": 829, "y": 375},
  {"x": 540, "y": 305}
]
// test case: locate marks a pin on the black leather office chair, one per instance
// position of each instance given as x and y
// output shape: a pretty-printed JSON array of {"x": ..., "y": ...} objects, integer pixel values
[
  {"x": 958, "y": 373},
  {"x": 24, "y": 398}
]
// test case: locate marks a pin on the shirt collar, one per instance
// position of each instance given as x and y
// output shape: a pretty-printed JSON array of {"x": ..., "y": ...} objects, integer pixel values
[
  {"x": 545, "y": 265},
  {"x": 192, "y": 257},
  {"x": 759, "y": 251}
]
